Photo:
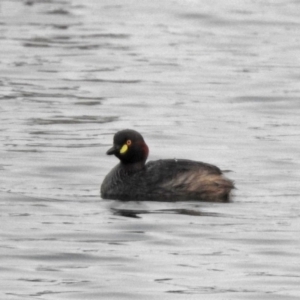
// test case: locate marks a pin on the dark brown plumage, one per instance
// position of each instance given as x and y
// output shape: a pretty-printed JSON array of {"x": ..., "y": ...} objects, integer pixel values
[{"x": 161, "y": 180}]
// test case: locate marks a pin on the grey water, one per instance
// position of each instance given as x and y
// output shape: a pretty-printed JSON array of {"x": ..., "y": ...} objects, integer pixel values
[{"x": 214, "y": 81}]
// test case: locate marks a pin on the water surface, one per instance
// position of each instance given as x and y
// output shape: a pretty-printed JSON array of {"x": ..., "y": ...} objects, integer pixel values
[{"x": 205, "y": 80}]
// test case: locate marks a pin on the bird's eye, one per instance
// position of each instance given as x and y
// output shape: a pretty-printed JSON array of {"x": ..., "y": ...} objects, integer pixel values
[{"x": 128, "y": 142}]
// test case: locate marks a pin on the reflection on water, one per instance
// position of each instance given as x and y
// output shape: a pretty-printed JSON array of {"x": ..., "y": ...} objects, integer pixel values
[
  {"x": 182, "y": 211},
  {"x": 215, "y": 82}
]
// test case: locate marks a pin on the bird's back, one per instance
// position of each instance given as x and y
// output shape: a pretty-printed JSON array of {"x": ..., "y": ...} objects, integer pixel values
[
  {"x": 170, "y": 180},
  {"x": 189, "y": 180}
]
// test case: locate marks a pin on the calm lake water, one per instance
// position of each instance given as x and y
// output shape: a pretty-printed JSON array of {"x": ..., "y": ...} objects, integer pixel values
[{"x": 205, "y": 80}]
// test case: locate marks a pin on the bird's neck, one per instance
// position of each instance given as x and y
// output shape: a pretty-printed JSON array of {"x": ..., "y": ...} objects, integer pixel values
[{"x": 133, "y": 167}]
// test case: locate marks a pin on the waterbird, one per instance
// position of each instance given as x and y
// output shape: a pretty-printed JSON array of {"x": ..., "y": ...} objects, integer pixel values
[{"x": 160, "y": 180}]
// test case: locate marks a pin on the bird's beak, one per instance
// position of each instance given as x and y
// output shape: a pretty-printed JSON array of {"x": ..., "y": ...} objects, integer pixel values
[{"x": 113, "y": 150}]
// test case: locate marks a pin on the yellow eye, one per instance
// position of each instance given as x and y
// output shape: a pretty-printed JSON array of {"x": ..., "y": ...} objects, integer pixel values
[{"x": 125, "y": 147}]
